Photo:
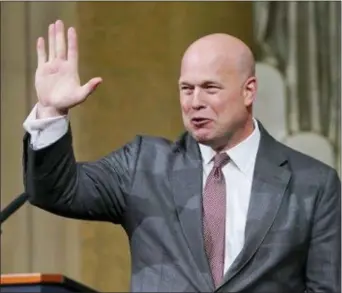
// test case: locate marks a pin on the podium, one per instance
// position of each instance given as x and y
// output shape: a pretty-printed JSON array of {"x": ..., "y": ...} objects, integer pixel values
[{"x": 36, "y": 282}]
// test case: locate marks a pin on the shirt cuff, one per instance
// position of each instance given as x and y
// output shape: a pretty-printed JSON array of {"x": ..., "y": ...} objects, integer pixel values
[{"x": 44, "y": 132}]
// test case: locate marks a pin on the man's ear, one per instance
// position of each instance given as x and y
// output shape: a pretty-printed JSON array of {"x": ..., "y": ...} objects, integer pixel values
[{"x": 249, "y": 91}]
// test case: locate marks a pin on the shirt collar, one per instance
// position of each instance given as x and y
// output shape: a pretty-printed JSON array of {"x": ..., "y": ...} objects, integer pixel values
[{"x": 242, "y": 155}]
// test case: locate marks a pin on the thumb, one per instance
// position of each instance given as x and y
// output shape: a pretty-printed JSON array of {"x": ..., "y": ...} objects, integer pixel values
[{"x": 89, "y": 87}]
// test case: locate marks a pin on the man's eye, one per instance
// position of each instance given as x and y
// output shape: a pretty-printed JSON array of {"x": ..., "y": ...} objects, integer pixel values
[
  {"x": 212, "y": 88},
  {"x": 186, "y": 89}
]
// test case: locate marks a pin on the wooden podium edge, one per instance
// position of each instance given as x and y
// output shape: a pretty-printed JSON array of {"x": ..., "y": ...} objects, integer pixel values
[{"x": 34, "y": 278}]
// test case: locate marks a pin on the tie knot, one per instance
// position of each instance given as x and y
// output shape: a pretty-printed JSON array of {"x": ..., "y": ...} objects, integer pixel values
[{"x": 220, "y": 160}]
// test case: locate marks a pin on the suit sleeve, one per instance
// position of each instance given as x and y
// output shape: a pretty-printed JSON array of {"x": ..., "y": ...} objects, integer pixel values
[
  {"x": 95, "y": 190},
  {"x": 323, "y": 269}
]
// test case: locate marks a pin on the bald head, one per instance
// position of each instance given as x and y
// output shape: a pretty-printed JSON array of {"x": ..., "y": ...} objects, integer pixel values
[
  {"x": 223, "y": 50},
  {"x": 217, "y": 89}
]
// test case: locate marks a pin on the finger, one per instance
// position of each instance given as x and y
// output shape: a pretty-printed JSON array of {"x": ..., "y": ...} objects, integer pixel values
[
  {"x": 89, "y": 87},
  {"x": 41, "y": 54},
  {"x": 52, "y": 41},
  {"x": 60, "y": 40},
  {"x": 72, "y": 47}
]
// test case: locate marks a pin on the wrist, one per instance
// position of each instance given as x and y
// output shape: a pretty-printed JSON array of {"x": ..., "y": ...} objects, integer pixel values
[{"x": 49, "y": 112}]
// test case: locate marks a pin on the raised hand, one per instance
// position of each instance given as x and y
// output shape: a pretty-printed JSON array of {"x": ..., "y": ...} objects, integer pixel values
[{"x": 57, "y": 80}]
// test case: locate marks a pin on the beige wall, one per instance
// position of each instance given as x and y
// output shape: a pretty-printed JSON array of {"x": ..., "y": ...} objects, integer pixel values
[
  {"x": 136, "y": 48},
  {"x": 32, "y": 240}
]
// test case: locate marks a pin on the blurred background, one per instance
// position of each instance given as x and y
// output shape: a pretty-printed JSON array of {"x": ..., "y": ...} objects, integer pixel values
[{"x": 136, "y": 48}]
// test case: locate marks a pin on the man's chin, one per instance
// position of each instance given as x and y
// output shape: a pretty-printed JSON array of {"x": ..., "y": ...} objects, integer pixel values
[{"x": 202, "y": 136}]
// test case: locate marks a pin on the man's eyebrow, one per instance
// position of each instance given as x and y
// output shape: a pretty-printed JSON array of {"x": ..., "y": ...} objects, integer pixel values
[
  {"x": 204, "y": 82},
  {"x": 184, "y": 82}
]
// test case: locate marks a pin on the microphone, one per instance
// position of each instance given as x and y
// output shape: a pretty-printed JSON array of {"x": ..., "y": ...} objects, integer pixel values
[{"x": 13, "y": 207}]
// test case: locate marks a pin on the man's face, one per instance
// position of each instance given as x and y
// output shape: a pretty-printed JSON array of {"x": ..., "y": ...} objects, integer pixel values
[{"x": 214, "y": 98}]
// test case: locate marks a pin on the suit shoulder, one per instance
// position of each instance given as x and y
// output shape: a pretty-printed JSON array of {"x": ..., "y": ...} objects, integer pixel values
[
  {"x": 141, "y": 150},
  {"x": 154, "y": 142},
  {"x": 153, "y": 152},
  {"x": 149, "y": 141},
  {"x": 302, "y": 161}
]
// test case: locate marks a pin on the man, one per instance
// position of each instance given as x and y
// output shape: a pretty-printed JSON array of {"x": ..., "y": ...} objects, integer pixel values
[{"x": 225, "y": 208}]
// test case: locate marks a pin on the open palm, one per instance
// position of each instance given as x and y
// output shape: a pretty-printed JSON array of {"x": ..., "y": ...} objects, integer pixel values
[{"x": 57, "y": 80}]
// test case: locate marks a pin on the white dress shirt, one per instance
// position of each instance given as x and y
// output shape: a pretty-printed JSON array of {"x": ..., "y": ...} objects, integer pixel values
[{"x": 238, "y": 174}]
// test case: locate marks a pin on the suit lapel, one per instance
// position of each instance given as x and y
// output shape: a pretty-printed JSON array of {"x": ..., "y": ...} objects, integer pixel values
[
  {"x": 186, "y": 181},
  {"x": 271, "y": 178},
  {"x": 270, "y": 181}
]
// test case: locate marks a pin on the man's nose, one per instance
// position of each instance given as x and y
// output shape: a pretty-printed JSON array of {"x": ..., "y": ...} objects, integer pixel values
[{"x": 197, "y": 99}]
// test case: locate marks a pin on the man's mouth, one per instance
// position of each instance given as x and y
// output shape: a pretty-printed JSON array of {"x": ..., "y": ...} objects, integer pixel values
[{"x": 199, "y": 121}]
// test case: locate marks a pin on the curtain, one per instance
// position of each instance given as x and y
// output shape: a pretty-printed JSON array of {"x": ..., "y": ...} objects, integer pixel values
[{"x": 303, "y": 41}]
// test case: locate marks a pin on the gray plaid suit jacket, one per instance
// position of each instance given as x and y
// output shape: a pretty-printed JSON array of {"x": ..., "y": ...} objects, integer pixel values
[{"x": 153, "y": 188}]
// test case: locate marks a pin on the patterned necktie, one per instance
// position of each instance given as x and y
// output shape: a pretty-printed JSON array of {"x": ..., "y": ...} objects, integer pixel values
[{"x": 214, "y": 215}]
